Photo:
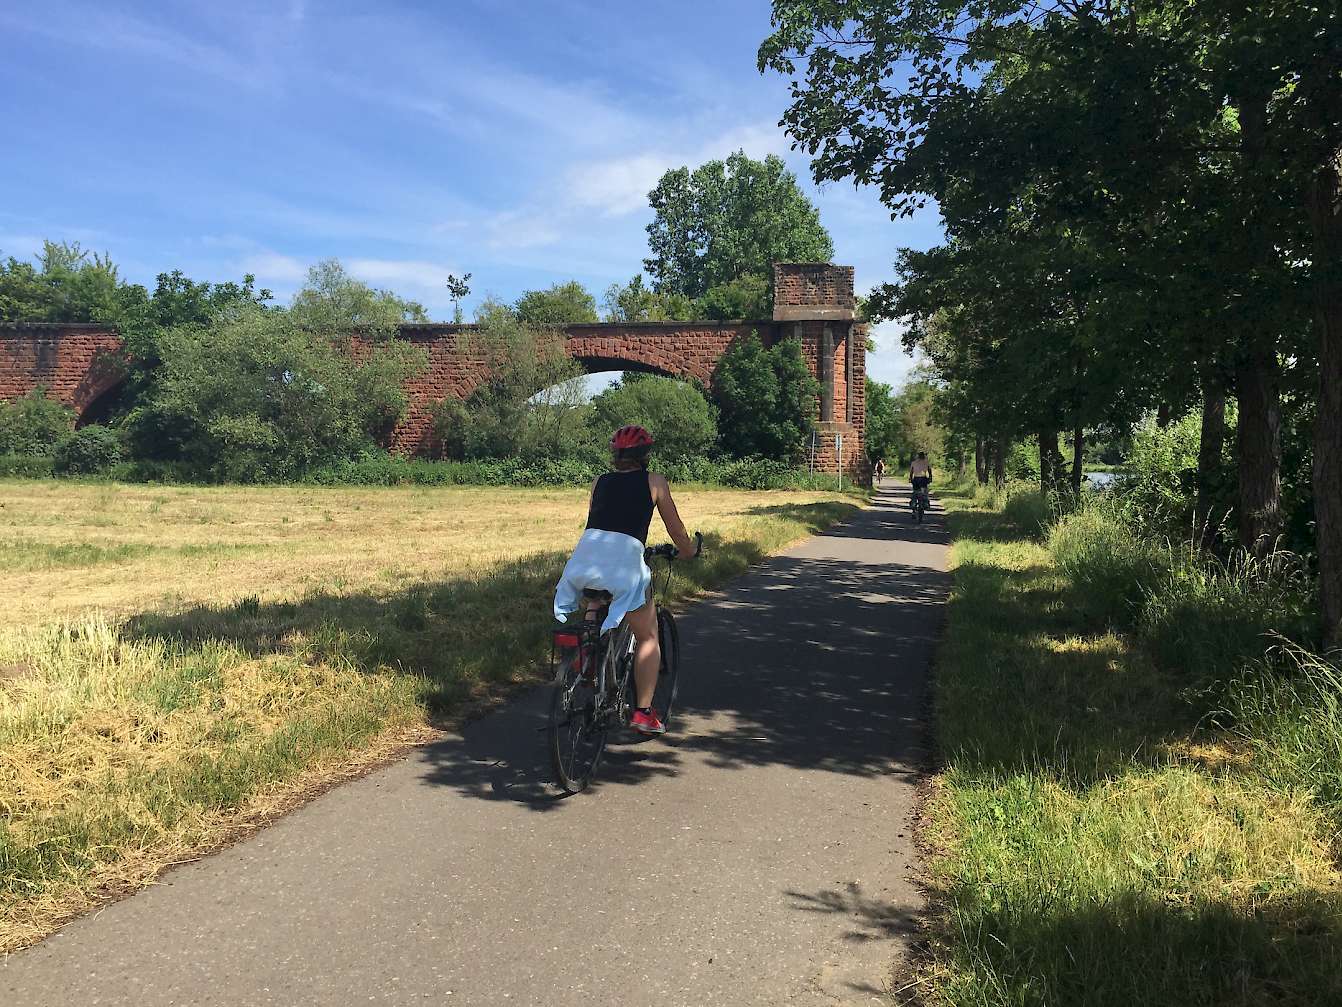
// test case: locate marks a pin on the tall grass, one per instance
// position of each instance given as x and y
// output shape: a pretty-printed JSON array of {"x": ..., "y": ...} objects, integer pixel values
[{"x": 1098, "y": 839}]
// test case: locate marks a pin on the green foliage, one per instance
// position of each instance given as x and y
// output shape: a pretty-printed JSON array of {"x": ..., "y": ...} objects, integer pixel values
[
  {"x": 678, "y": 416},
  {"x": 765, "y": 398},
  {"x": 66, "y": 285},
  {"x": 726, "y": 220},
  {"x": 635, "y": 302},
  {"x": 1207, "y": 618},
  {"x": 333, "y": 301},
  {"x": 1159, "y": 486},
  {"x": 260, "y": 396},
  {"x": 1110, "y": 568},
  {"x": 746, "y": 297},
  {"x": 89, "y": 451},
  {"x": 562, "y": 304},
  {"x": 1287, "y": 708},
  {"x": 532, "y": 404},
  {"x": 25, "y": 466},
  {"x": 884, "y": 434},
  {"x": 33, "y": 425}
]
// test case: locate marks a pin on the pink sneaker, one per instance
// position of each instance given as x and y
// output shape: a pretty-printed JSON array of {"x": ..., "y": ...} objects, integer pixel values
[{"x": 647, "y": 722}]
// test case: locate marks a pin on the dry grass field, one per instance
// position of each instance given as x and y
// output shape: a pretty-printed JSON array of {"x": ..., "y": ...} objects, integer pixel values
[{"x": 179, "y": 662}]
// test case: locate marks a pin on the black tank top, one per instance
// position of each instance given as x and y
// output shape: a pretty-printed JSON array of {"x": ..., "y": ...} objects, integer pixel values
[{"x": 622, "y": 502}]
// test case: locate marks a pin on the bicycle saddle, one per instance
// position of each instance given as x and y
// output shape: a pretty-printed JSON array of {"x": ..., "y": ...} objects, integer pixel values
[{"x": 595, "y": 594}]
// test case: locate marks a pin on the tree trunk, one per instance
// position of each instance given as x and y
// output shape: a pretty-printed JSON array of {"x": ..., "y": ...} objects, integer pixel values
[
  {"x": 999, "y": 463},
  {"x": 1258, "y": 440},
  {"x": 1210, "y": 448},
  {"x": 1326, "y": 218},
  {"x": 1258, "y": 372},
  {"x": 1078, "y": 459},
  {"x": 980, "y": 461},
  {"x": 1050, "y": 460},
  {"x": 1163, "y": 415}
]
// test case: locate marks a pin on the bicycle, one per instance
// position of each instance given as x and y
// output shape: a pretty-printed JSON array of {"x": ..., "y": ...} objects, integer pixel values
[
  {"x": 919, "y": 504},
  {"x": 594, "y": 681}
]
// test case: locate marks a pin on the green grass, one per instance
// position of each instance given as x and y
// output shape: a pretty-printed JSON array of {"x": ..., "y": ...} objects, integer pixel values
[{"x": 1098, "y": 840}]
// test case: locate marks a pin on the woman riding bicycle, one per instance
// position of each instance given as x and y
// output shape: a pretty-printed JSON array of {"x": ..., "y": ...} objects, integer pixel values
[{"x": 609, "y": 557}]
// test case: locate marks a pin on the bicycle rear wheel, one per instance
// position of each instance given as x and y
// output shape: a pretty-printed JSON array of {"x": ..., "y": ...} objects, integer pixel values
[
  {"x": 668, "y": 675},
  {"x": 577, "y": 731}
]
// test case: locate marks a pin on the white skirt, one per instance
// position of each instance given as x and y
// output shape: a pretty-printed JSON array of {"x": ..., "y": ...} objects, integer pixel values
[{"x": 605, "y": 561}]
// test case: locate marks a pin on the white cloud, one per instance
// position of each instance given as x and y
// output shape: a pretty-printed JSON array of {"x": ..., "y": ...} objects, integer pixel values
[
  {"x": 274, "y": 268},
  {"x": 620, "y": 186},
  {"x": 398, "y": 274},
  {"x": 516, "y": 229}
]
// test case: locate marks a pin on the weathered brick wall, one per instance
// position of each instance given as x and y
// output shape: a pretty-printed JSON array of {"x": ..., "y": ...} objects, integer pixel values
[
  {"x": 75, "y": 363},
  {"x": 813, "y": 285}
]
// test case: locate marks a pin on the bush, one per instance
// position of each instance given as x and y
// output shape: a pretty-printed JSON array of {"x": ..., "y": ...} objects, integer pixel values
[
  {"x": 1110, "y": 569},
  {"x": 1209, "y": 618},
  {"x": 25, "y": 466},
  {"x": 256, "y": 396},
  {"x": 1027, "y": 509},
  {"x": 33, "y": 425},
  {"x": 89, "y": 451},
  {"x": 680, "y": 419}
]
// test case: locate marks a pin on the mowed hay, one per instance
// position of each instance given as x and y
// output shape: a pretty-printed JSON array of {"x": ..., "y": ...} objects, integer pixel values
[{"x": 193, "y": 660}]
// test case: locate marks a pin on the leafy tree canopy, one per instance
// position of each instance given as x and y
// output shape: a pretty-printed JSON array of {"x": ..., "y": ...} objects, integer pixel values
[
  {"x": 562, "y": 304},
  {"x": 726, "y": 220},
  {"x": 766, "y": 399},
  {"x": 680, "y": 419}
]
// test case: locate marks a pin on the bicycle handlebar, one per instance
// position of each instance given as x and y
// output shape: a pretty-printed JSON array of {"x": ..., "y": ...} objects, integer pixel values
[{"x": 669, "y": 551}]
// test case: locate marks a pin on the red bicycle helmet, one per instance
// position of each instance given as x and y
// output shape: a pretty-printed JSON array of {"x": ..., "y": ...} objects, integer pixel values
[{"x": 630, "y": 437}]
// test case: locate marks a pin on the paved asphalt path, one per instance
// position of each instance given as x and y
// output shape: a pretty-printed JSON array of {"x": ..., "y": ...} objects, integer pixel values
[{"x": 760, "y": 854}]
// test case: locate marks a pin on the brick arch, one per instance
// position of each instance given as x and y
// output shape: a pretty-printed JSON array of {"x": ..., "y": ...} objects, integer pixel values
[{"x": 78, "y": 364}]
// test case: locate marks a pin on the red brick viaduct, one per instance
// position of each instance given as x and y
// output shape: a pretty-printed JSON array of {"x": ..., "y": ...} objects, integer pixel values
[{"x": 82, "y": 364}]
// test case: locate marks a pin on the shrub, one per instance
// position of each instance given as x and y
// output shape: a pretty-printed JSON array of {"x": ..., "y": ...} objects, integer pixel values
[
  {"x": 256, "y": 396},
  {"x": 91, "y": 450},
  {"x": 25, "y": 466},
  {"x": 1110, "y": 569},
  {"x": 680, "y": 419},
  {"x": 1027, "y": 509},
  {"x": 33, "y": 425}
]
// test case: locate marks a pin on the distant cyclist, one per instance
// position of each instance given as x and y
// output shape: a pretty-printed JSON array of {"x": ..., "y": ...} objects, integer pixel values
[
  {"x": 920, "y": 474},
  {"x": 879, "y": 470},
  {"x": 609, "y": 557}
]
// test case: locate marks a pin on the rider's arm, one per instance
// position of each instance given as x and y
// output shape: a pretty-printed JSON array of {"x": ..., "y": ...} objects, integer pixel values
[{"x": 661, "y": 496}]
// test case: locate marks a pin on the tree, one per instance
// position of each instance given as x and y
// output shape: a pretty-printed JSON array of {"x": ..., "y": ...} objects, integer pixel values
[
  {"x": 766, "y": 399},
  {"x": 746, "y": 296},
  {"x": 259, "y": 395},
  {"x": 727, "y": 220},
  {"x": 333, "y": 301},
  {"x": 636, "y": 302},
  {"x": 562, "y": 304},
  {"x": 883, "y": 431},
  {"x": 68, "y": 284},
  {"x": 678, "y": 416},
  {"x": 458, "y": 288}
]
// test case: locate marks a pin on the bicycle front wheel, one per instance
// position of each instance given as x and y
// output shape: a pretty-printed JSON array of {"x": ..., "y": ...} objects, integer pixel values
[
  {"x": 577, "y": 731},
  {"x": 668, "y": 675}
]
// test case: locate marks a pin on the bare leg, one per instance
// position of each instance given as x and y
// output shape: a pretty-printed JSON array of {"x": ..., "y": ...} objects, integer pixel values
[{"x": 647, "y": 652}]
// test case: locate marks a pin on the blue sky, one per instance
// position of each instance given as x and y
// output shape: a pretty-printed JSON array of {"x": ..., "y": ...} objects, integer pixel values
[{"x": 410, "y": 140}]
